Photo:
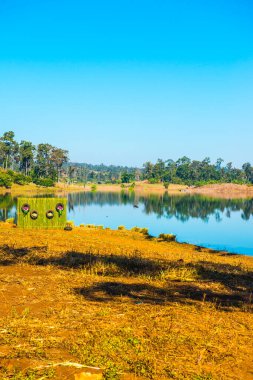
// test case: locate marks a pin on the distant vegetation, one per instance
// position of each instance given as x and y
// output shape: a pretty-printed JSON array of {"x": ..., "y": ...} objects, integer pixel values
[
  {"x": 182, "y": 171},
  {"x": 24, "y": 162},
  {"x": 45, "y": 164},
  {"x": 185, "y": 171}
]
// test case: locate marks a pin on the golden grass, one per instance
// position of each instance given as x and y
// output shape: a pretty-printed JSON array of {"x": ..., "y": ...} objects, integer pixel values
[
  {"x": 124, "y": 303},
  {"x": 223, "y": 190},
  {"x": 141, "y": 186}
]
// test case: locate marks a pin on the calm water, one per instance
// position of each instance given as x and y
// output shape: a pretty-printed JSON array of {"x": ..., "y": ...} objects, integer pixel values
[{"x": 215, "y": 223}]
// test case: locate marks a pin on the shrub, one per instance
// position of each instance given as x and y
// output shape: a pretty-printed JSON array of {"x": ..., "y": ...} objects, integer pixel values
[
  {"x": 5, "y": 180},
  {"x": 46, "y": 182},
  {"x": 93, "y": 187},
  {"x": 10, "y": 220},
  {"x": 11, "y": 173},
  {"x": 22, "y": 179},
  {"x": 144, "y": 231},
  {"x": 69, "y": 225},
  {"x": 166, "y": 185},
  {"x": 121, "y": 228},
  {"x": 167, "y": 237},
  {"x": 153, "y": 180},
  {"x": 136, "y": 229}
]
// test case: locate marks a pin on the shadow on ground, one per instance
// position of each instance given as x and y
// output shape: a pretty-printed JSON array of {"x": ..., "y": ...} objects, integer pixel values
[{"x": 236, "y": 282}]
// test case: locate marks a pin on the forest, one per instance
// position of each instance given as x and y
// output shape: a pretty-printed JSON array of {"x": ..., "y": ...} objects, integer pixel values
[{"x": 44, "y": 164}]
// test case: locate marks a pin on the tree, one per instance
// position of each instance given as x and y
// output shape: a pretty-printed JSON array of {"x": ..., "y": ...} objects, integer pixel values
[
  {"x": 44, "y": 166},
  {"x": 127, "y": 177},
  {"x": 8, "y": 150},
  {"x": 148, "y": 170},
  {"x": 26, "y": 153},
  {"x": 59, "y": 157},
  {"x": 248, "y": 170}
]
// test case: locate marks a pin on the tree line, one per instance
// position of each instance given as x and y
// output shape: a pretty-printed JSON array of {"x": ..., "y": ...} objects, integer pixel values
[
  {"x": 193, "y": 172},
  {"x": 44, "y": 164},
  {"x": 23, "y": 162}
]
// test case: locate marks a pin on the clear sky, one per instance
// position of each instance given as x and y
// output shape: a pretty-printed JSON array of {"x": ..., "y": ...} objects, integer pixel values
[{"x": 124, "y": 82}]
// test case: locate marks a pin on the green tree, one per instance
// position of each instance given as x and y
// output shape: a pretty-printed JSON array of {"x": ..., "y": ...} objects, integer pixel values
[
  {"x": 26, "y": 153},
  {"x": 59, "y": 157},
  {"x": 8, "y": 150},
  {"x": 44, "y": 167}
]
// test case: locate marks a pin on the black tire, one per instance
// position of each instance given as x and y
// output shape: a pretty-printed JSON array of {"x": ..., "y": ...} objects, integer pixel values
[{"x": 34, "y": 215}]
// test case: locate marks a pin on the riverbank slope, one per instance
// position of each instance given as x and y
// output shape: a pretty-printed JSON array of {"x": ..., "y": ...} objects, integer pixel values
[
  {"x": 223, "y": 190},
  {"x": 143, "y": 187},
  {"x": 226, "y": 190},
  {"x": 124, "y": 303}
]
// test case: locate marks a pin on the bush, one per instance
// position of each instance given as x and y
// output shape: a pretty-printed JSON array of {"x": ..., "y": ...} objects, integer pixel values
[
  {"x": 166, "y": 185},
  {"x": 93, "y": 187},
  {"x": 22, "y": 179},
  {"x": 153, "y": 180},
  {"x": 10, "y": 220},
  {"x": 46, "y": 182},
  {"x": 5, "y": 180},
  {"x": 144, "y": 231},
  {"x": 11, "y": 173},
  {"x": 167, "y": 237},
  {"x": 121, "y": 228},
  {"x": 136, "y": 229}
]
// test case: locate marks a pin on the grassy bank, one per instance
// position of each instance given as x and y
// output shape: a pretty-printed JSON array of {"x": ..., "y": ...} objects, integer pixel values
[
  {"x": 124, "y": 303},
  {"x": 228, "y": 190},
  {"x": 65, "y": 188},
  {"x": 223, "y": 190}
]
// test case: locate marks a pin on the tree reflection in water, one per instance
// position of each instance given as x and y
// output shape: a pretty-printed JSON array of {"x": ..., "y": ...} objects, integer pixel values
[{"x": 182, "y": 207}]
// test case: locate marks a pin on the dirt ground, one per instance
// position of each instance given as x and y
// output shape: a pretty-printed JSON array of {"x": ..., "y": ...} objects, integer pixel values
[{"x": 130, "y": 306}]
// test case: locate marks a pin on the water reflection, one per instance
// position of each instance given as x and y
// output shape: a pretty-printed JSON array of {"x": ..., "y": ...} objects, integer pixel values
[
  {"x": 217, "y": 223},
  {"x": 182, "y": 207}
]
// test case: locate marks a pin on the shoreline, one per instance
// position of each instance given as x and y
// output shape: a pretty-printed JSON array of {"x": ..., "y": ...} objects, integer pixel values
[{"x": 226, "y": 190}]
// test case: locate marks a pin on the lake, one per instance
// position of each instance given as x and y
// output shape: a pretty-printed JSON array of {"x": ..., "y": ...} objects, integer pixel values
[{"x": 223, "y": 224}]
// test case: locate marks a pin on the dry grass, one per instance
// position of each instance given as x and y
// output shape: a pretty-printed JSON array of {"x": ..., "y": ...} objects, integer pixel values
[
  {"x": 61, "y": 188},
  {"x": 224, "y": 190},
  {"x": 122, "y": 302}
]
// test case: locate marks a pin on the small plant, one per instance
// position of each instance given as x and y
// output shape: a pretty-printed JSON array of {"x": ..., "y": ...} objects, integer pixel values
[
  {"x": 69, "y": 225},
  {"x": 121, "y": 228},
  {"x": 167, "y": 237},
  {"x": 111, "y": 373},
  {"x": 82, "y": 225},
  {"x": 202, "y": 377},
  {"x": 136, "y": 229},
  {"x": 144, "y": 231},
  {"x": 10, "y": 220},
  {"x": 93, "y": 187},
  {"x": 166, "y": 185}
]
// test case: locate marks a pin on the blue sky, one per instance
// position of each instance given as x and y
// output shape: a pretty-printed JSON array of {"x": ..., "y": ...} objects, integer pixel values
[{"x": 124, "y": 82}]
